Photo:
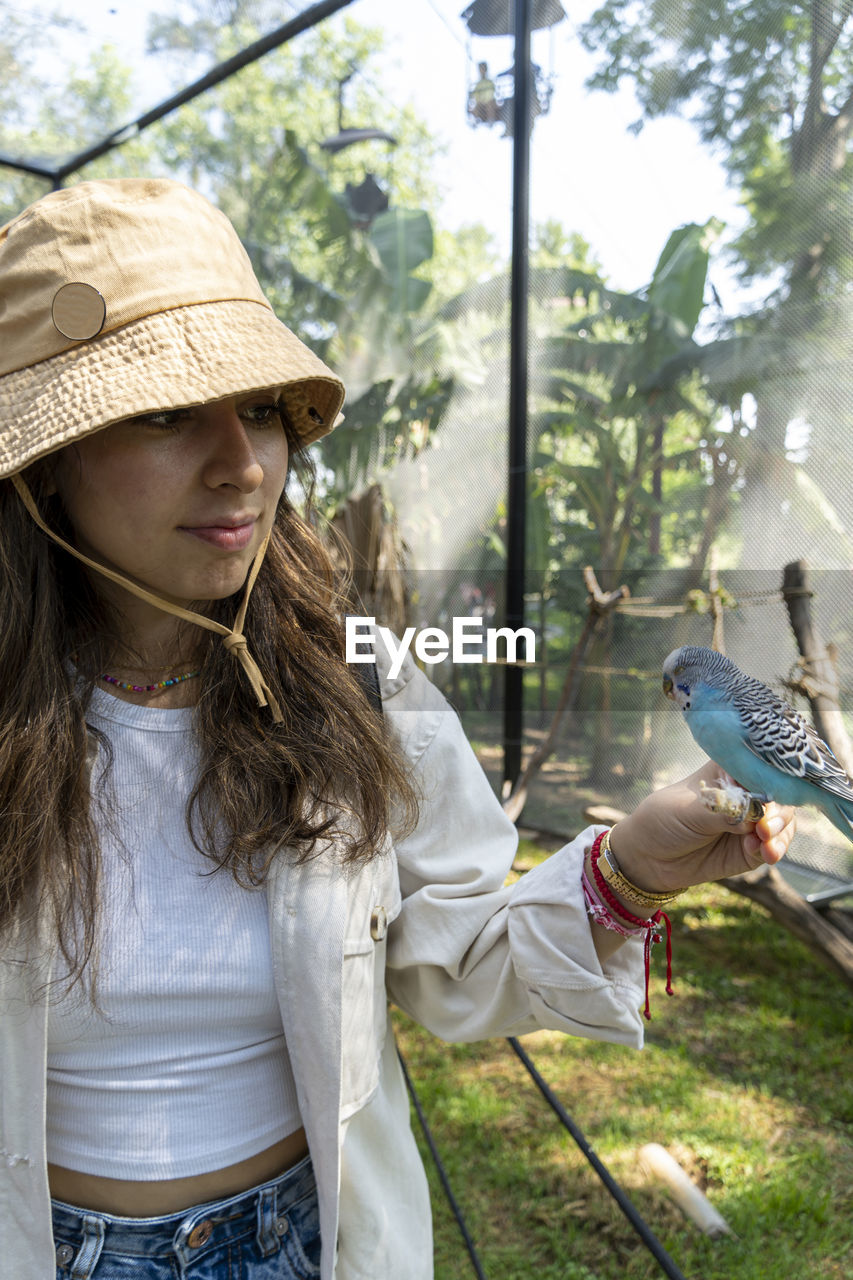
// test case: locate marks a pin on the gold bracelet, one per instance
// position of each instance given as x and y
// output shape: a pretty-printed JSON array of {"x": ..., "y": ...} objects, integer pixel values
[{"x": 609, "y": 868}]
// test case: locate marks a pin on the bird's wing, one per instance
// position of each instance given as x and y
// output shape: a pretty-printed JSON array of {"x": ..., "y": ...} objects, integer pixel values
[{"x": 779, "y": 735}]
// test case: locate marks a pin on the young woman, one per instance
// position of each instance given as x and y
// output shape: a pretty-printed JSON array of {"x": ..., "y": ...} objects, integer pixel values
[{"x": 217, "y": 859}]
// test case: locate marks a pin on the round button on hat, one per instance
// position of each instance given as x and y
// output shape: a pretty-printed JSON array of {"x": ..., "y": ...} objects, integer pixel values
[{"x": 78, "y": 311}]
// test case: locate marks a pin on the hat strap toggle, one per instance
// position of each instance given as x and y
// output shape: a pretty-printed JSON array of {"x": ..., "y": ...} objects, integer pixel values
[{"x": 234, "y": 640}]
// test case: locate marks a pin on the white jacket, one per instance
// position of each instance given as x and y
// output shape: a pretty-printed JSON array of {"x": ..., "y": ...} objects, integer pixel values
[{"x": 465, "y": 956}]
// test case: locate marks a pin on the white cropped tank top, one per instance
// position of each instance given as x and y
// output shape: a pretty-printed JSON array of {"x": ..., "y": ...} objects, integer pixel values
[{"x": 184, "y": 1067}]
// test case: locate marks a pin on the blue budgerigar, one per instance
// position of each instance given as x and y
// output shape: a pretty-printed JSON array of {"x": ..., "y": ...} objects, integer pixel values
[{"x": 761, "y": 741}]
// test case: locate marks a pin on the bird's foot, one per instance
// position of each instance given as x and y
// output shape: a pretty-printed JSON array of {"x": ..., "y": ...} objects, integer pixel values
[{"x": 733, "y": 801}]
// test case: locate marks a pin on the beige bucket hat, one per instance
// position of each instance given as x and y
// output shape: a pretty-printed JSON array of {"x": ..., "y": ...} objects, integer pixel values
[
  {"x": 131, "y": 296},
  {"x": 127, "y": 296}
]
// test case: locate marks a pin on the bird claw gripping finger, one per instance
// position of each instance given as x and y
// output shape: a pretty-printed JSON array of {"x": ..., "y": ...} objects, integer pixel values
[{"x": 730, "y": 800}]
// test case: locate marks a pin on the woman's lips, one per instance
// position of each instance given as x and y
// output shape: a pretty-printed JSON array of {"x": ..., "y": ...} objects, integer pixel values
[{"x": 225, "y": 537}]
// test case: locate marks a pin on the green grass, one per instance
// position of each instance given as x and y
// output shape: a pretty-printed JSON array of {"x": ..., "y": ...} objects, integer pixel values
[{"x": 745, "y": 1079}]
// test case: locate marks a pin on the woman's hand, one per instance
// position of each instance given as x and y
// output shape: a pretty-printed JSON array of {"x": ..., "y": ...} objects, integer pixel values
[{"x": 672, "y": 840}]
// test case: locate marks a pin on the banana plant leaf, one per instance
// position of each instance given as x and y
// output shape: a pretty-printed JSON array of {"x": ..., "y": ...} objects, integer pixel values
[{"x": 403, "y": 240}]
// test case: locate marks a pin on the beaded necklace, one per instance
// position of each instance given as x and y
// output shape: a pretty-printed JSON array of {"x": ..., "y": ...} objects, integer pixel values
[{"x": 150, "y": 688}]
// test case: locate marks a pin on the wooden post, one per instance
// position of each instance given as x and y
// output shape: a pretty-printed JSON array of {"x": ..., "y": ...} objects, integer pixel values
[{"x": 819, "y": 679}]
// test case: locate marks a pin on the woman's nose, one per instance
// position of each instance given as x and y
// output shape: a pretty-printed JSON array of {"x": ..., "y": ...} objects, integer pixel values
[{"x": 230, "y": 458}]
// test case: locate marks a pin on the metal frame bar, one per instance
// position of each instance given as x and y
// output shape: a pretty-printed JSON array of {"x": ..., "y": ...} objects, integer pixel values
[
  {"x": 641, "y": 1227},
  {"x": 302, "y": 22},
  {"x": 639, "y": 1224},
  {"x": 516, "y": 539},
  {"x": 442, "y": 1172}
]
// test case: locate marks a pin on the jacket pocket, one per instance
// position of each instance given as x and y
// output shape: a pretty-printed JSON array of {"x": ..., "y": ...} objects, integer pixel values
[{"x": 374, "y": 903}]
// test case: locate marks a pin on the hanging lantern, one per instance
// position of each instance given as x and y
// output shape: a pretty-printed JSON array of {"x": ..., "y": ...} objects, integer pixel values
[
  {"x": 364, "y": 200},
  {"x": 495, "y": 17},
  {"x": 347, "y": 137}
]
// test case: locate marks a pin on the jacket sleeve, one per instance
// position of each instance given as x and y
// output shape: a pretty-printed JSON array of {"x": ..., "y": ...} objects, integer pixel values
[{"x": 469, "y": 957}]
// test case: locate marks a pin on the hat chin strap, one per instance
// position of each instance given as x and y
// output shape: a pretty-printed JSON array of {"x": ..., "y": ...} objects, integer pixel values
[{"x": 234, "y": 640}]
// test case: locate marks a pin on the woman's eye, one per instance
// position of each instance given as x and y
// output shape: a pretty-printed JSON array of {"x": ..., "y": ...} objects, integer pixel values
[
  {"x": 167, "y": 418},
  {"x": 262, "y": 415}
]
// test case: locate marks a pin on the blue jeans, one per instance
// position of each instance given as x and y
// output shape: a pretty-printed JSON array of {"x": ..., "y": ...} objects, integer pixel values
[{"x": 271, "y": 1232}]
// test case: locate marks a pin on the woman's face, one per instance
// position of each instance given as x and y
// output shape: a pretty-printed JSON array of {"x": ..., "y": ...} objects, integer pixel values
[{"x": 179, "y": 501}]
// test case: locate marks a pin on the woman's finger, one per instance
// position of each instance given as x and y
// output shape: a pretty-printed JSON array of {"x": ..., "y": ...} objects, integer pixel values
[{"x": 772, "y": 834}]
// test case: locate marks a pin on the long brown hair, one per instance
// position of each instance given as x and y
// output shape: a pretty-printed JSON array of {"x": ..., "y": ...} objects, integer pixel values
[{"x": 264, "y": 790}]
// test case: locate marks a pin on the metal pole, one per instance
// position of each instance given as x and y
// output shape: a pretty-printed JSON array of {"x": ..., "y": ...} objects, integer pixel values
[
  {"x": 26, "y": 166},
  {"x": 518, "y": 356},
  {"x": 440, "y": 1169},
  {"x": 643, "y": 1230}
]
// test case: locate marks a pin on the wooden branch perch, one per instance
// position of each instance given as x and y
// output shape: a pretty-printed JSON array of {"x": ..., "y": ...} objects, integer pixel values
[
  {"x": 819, "y": 680},
  {"x": 767, "y": 887}
]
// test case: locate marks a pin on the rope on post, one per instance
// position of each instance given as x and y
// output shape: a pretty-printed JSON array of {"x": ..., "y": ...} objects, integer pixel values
[{"x": 642, "y": 1229}]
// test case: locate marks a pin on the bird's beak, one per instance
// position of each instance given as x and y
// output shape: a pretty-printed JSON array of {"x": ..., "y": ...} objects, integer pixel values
[{"x": 667, "y": 686}]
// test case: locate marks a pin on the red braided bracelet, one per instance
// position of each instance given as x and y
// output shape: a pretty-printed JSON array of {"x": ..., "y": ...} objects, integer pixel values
[{"x": 649, "y": 926}]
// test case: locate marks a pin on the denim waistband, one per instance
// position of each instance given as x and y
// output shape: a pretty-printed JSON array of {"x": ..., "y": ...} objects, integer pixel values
[{"x": 186, "y": 1234}]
